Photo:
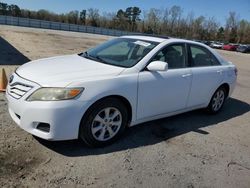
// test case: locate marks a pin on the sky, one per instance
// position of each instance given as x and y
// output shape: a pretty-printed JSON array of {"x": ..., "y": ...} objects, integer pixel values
[{"x": 219, "y": 9}]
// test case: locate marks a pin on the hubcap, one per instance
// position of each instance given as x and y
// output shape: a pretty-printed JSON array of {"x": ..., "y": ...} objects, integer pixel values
[
  {"x": 106, "y": 124},
  {"x": 218, "y": 100}
]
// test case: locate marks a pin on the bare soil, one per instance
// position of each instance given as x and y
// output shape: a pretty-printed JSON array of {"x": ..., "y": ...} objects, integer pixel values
[{"x": 189, "y": 150}]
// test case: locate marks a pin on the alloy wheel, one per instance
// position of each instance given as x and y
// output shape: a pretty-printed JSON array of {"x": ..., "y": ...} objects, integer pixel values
[
  {"x": 218, "y": 100},
  {"x": 106, "y": 124}
]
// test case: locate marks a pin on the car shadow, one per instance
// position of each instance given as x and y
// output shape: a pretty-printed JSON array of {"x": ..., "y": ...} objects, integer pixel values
[
  {"x": 9, "y": 55},
  {"x": 155, "y": 131}
]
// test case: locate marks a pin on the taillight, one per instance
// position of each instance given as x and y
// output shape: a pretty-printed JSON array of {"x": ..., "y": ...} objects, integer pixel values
[{"x": 236, "y": 71}]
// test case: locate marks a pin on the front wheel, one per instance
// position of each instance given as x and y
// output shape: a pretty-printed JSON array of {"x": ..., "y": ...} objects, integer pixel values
[
  {"x": 217, "y": 101},
  {"x": 104, "y": 122}
]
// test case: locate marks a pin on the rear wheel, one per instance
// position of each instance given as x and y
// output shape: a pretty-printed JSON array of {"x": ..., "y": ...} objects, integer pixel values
[
  {"x": 217, "y": 100},
  {"x": 104, "y": 122}
]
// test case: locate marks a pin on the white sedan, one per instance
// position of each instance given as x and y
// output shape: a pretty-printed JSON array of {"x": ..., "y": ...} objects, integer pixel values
[
  {"x": 128, "y": 80},
  {"x": 217, "y": 45}
]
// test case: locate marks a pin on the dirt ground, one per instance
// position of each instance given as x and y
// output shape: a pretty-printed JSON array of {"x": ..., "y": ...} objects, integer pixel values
[{"x": 189, "y": 150}]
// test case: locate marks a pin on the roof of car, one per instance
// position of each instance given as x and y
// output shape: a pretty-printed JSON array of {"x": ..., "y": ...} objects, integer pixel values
[
  {"x": 148, "y": 38},
  {"x": 160, "y": 39}
]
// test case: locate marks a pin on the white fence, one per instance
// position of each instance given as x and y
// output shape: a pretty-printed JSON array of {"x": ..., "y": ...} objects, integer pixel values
[{"x": 26, "y": 22}]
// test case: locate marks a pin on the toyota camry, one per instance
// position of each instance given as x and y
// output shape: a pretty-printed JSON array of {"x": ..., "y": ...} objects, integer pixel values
[{"x": 128, "y": 80}]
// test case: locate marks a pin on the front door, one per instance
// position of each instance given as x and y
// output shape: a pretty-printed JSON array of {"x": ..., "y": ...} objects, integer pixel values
[{"x": 162, "y": 92}]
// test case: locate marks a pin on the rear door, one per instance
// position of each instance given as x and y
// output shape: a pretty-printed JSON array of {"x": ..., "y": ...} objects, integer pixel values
[{"x": 207, "y": 75}]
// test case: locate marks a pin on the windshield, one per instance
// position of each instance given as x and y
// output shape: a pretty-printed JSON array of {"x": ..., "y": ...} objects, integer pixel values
[{"x": 122, "y": 52}]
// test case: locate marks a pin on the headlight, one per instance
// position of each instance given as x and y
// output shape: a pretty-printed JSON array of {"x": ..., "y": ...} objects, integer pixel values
[{"x": 54, "y": 94}]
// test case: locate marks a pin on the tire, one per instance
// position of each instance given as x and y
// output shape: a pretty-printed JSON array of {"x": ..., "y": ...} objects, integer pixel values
[
  {"x": 104, "y": 122},
  {"x": 217, "y": 101}
]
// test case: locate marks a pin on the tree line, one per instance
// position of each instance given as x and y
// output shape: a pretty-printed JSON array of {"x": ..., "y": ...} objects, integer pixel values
[{"x": 165, "y": 21}]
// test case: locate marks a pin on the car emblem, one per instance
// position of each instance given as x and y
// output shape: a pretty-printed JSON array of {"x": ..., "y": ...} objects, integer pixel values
[{"x": 11, "y": 79}]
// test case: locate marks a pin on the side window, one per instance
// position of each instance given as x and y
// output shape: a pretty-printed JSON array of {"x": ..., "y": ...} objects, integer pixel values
[
  {"x": 174, "y": 55},
  {"x": 202, "y": 57}
]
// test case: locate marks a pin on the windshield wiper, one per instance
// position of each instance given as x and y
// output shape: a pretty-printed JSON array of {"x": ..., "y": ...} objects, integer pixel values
[
  {"x": 96, "y": 58},
  {"x": 86, "y": 55},
  {"x": 101, "y": 59}
]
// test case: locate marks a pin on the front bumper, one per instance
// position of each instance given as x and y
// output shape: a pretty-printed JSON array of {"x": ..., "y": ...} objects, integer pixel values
[{"x": 64, "y": 117}]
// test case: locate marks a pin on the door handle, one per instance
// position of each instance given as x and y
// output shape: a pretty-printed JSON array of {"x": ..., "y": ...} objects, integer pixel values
[
  {"x": 219, "y": 71},
  {"x": 186, "y": 75}
]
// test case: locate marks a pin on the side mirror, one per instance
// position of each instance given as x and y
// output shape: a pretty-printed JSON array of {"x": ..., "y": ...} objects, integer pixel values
[{"x": 157, "y": 66}]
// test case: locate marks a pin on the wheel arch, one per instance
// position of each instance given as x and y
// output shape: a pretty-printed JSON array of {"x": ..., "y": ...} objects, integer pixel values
[
  {"x": 226, "y": 87},
  {"x": 123, "y": 99}
]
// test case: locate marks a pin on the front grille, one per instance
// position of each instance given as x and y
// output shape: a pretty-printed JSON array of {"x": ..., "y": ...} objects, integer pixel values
[{"x": 17, "y": 90}]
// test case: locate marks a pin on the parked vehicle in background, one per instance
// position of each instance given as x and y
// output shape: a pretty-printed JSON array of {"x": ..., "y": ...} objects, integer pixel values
[
  {"x": 208, "y": 43},
  {"x": 243, "y": 49},
  {"x": 126, "y": 81},
  {"x": 230, "y": 47},
  {"x": 203, "y": 42},
  {"x": 217, "y": 45}
]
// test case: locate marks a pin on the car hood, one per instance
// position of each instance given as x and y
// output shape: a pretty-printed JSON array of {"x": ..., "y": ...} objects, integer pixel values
[{"x": 63, "y": 70}]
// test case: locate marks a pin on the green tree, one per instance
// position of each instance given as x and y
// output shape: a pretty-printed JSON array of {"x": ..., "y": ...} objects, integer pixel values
[
  {"x": 220, "y": 34},
  {"x": 133, "y": 14},
  {"x": 3, "y": 8},
  {"x": 13, "y": 10},
  {"x": 121, "y": 20},
  {"x": 73, "y": 17},
  {"x": 83, "y": 17},
  {"x": 43, "y": 15}
]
